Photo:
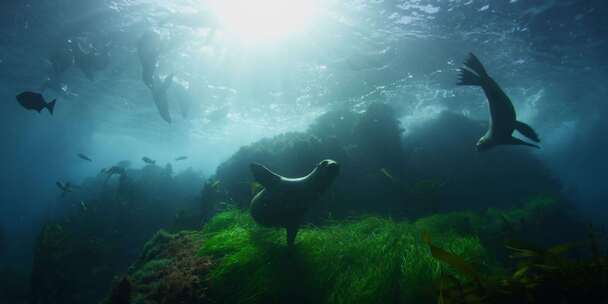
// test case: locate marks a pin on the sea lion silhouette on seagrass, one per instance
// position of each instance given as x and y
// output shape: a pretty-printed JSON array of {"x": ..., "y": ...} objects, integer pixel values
[
  {"x": 503, "y": 120},
  {"x": 284, "y": 201}
]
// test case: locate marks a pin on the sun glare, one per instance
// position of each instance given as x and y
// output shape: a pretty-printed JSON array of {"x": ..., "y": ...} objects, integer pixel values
[{"x": 255, "y": 21}]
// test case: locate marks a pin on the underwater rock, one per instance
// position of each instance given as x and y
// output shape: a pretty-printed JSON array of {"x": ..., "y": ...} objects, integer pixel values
[
  {"x": 168, "y": 271},
  {"x": 77, "y": 255},
  {"x": 121, "y": 292},
  {"x": 432, "y": 168},
  {"x": 367, "y": 259},
  {"x": 442, "y": 150}
]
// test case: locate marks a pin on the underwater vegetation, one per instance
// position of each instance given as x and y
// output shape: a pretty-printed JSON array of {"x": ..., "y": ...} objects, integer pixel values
[
  {"x": 366, "y": 246},
  {"x": 366, "y": 259},
  {"x": 541, "y": 276},
  {"x": 97, "y": 231}
]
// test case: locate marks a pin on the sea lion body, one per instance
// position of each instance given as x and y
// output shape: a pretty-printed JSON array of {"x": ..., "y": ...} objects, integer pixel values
[
  {"x": 284, "y": 201},
  {"x": 159, "y": 94},
  {"x": 503, "y": 119}
]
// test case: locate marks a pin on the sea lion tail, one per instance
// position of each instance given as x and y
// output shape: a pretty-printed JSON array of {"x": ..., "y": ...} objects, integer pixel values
[
  {"x": 51, "y": 106},
  {"x": 527, "y": 131}
]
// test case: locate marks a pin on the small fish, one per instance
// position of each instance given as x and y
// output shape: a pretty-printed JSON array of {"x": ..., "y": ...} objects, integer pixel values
[
  {"x": 64, "y": 187},
  {"x": 387, "y": 174},
  {"x": 148, "y": 160},
  {"x": 84, "y": 206},
  {"x": 181, "y": 158},
  {"x": 84, "y": 157},
  {"x": 35, "y": 101},
  {"x": 215, "y": 185}
]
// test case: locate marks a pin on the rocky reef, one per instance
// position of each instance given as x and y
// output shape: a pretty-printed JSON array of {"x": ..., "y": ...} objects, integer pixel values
[
  {"x": 366, "y": 259},
  {"x": 432, "y": 168},
  {"x": 362, "y": 243},
  {"x": 104, "y": 225}
]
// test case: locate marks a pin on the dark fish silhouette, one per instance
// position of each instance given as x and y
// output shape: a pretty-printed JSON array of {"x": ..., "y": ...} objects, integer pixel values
[
  {"x": 148, "y": 161},
  {"x": 84, "y": 157},
  {"x": 503, "y": 120},
  {"x": 35, "y": 101},
  {"x": 64, "y": 187},
  {"x": 181, "y": 158}
]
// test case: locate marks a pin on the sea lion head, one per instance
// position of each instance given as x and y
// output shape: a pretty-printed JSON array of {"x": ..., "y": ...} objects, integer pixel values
[{"x": 326, "y": 171}]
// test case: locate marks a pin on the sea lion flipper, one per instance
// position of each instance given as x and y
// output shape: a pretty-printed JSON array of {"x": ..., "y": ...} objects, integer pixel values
[
  {"x": 473, "y": 72},
  {"x": 475, "y": 65},
  {"x": 527, "y": 131},
  {"x": 519, "y": 142},
  {"x": 264, "y": 176},
  {"x": 467, "y": 77}
]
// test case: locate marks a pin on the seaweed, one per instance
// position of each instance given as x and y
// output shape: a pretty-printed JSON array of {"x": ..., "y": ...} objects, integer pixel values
[
  {"x": 364, "y": 260},
  {"x": 541, "y": 276}
]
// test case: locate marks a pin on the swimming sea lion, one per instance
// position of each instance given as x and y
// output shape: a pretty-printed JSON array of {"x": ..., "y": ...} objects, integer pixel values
[
  {"x": 284, "y": 201},
  {"x": 159, "y": 93},
  {"x": 503, "y": 119},
  {"x": 148, "y": 49}
]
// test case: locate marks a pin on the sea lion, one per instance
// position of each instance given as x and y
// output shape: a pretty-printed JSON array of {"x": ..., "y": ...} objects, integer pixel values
[
  {"x": 148, "y": 49},
  {"x": 90, "y": 60},
  {"x": 283, "y": 202},
  {"x": 159, "y": 93},
  {"x": 503, "y": 120}
]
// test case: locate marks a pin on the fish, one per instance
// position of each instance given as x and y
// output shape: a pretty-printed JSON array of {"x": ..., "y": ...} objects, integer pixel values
[
  {"x": 387, "y": 174},
  {"x": 216, "y": 185},
  {"x": 148, "y": 160},
  {"x": 84, "y": 157},
  {"x": 64, "y": 187},
  {"x": 181, "y": 158},
  {"x": 84, "y": 206},
  {"x": 35, "y": 101}
]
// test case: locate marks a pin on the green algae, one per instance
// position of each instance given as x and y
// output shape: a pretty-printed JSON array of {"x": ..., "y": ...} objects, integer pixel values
[{"x": 366, "y": 260}]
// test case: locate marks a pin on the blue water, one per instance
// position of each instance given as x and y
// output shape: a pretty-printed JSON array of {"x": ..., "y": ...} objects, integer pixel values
[{"x": 243, "y": 80}]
